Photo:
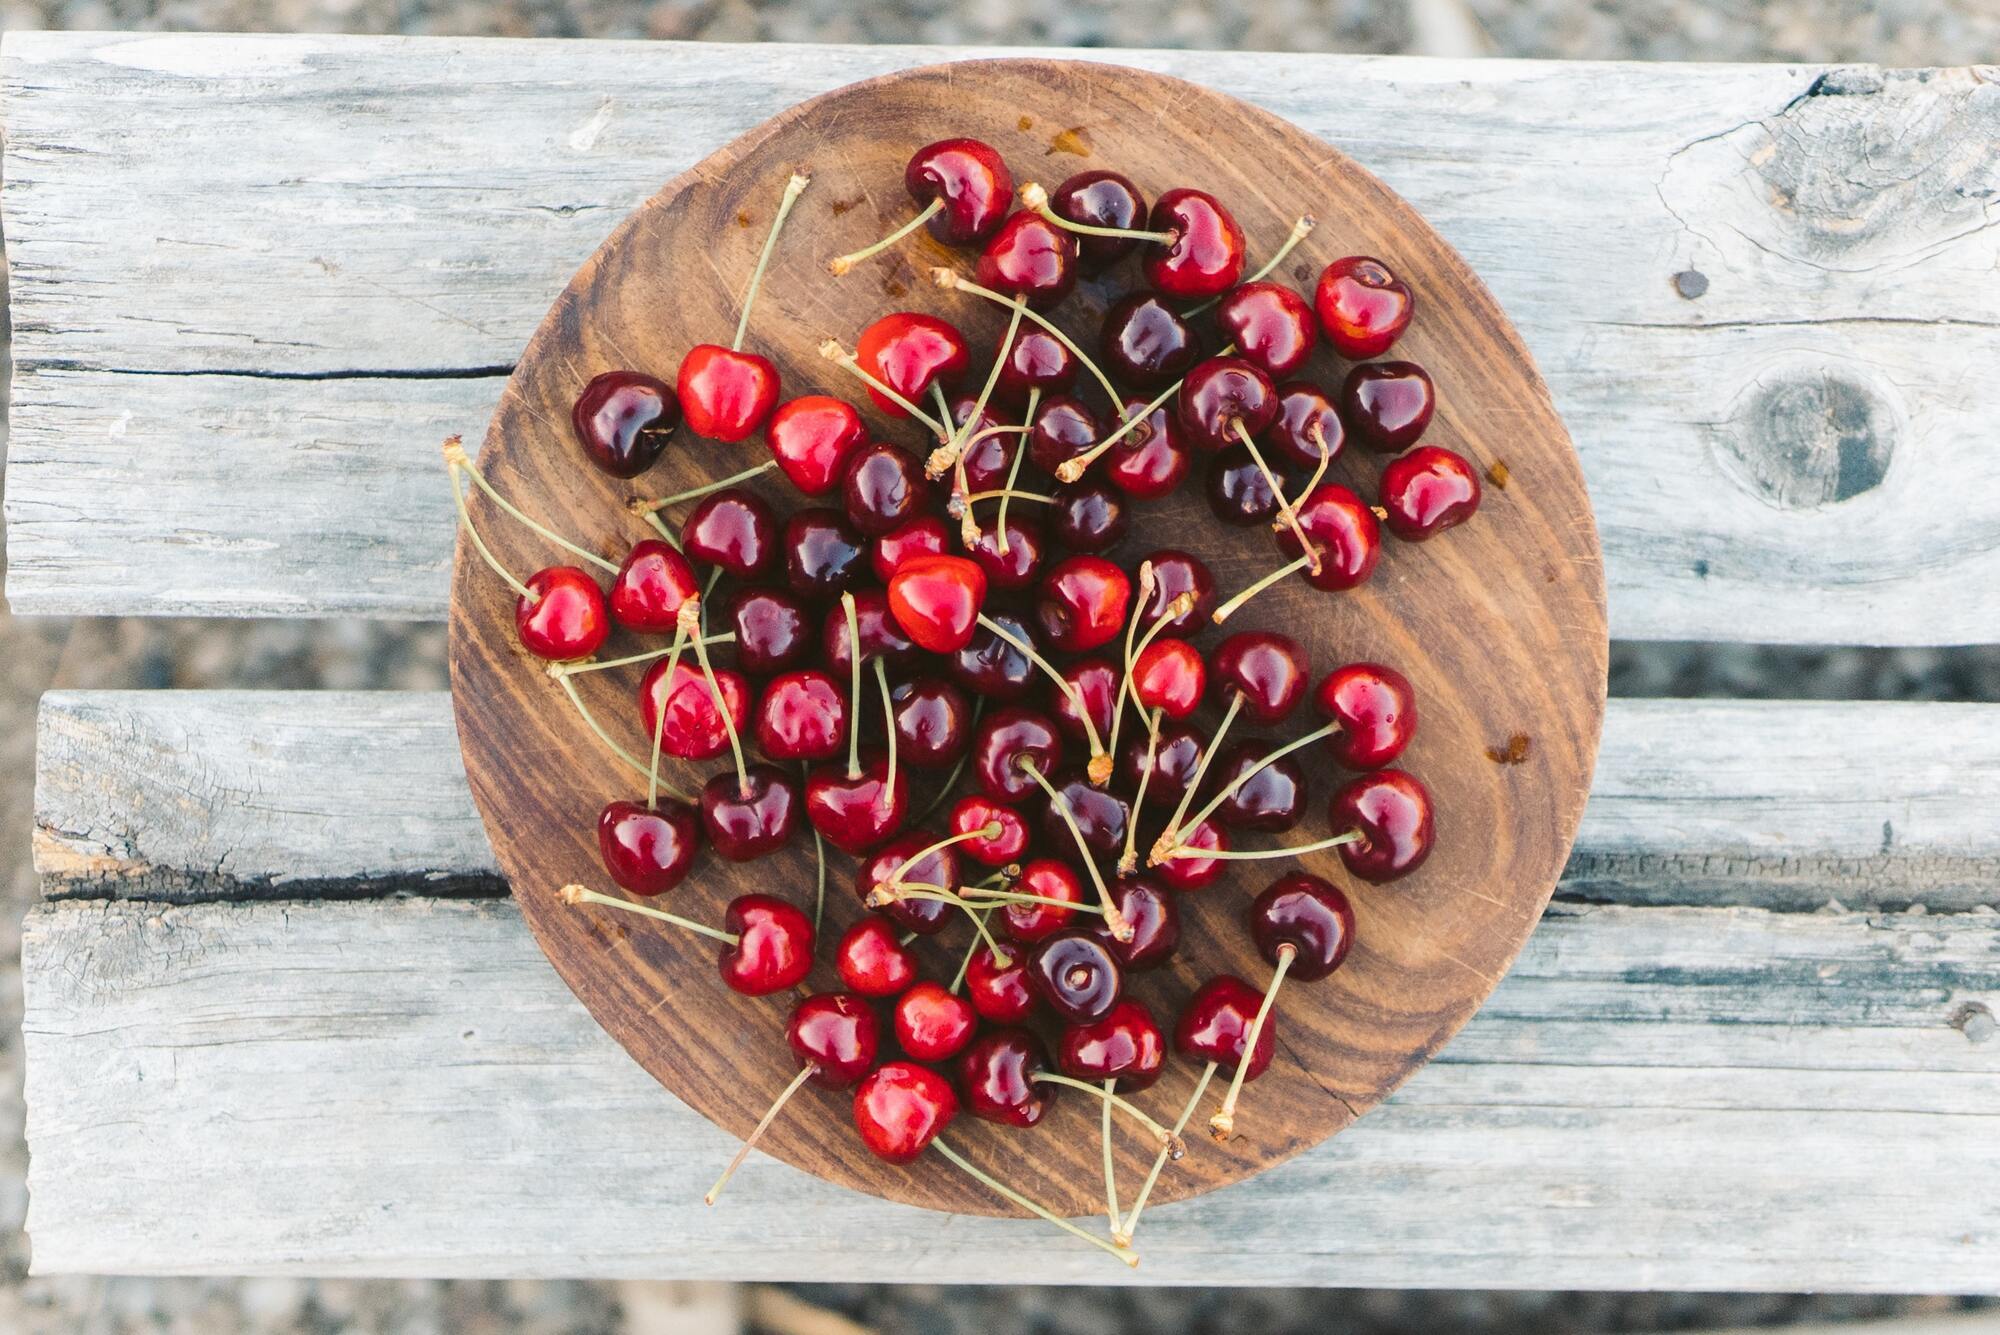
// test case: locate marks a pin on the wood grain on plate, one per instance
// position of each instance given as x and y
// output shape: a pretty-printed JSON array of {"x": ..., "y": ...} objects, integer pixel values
[{"x": 1500, "y": 625}]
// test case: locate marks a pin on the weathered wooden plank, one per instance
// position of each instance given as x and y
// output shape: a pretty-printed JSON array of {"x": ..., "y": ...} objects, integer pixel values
[
  {"x": 1691, "y": 1098},
  {"x": 199, "y": 795},
  {"x": 1765, "y": 434}
]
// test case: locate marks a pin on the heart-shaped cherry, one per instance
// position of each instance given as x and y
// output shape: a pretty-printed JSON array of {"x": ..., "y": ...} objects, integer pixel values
[
  {"x": 751, "y": 815},
  {"x": 1003, "y": 740},
  {"x": 1035, "y": 360},
  {"x": 1264, "y": 793},
  {"x": 1084, "y": 710},
  {"x": 993, "y": 665},
  {"x": 996, "y": 834},
  {"x": 1387, "y": 405},
  {"x": 1000, "y": 992},
  {"x": 652, "y": 584},
  {"x": 1266, "y": 671},
  {"x": 1239, "y": 492},
  {"x": 1145, "y": 342},
  {"x": 909, "y": 860},
  {"x": 1427, "y": 491},
  {"x": 774, "y": 945},
  {"x": 1177, "y": 573},
  {"x": 1020, "y": 565},
  {"x": 1081, "y": 603},
  {"x": 562, "y": 616},
  {"x": 1222, "y": 399},
  {"x": 812, "y": 438},
  {"x": 1372, "y": 713},
  {"x": 1126, "y": 1046},
  {"x": 924, "y": 535},
  {"x": 1392, "y": 813},
  {"x": 648, "y": 850},
  {"x": 872, "y": 960},
  {"x": 802, "y": 715},
  {"x": 1308, "y": 914},
  {"x": 1206, "y": 258},
  {"x": 1064, "y": 428},
  {"x": 937, "y": 600},
  {"x": 857, "y": 810},
  {"x": 1154, "y": 458},
  {"x": 909, "y": 351},
  {"x": 1345, "y": 542},
  {"x": 1029, "y": 257},
  {"x": 1100, "y": 199},
  {"x": 1189, "y": 871},
  {"x": 931, "y": 1024},
  {"x": 1271, "y": 325},
  {"x": 964, "y": 188},
  {"x": 726, "y": 394},
  {"x": 884, "y": 488},
  {"x": 1170, "y": 676},
  {"x": 1363, "y": 307},
  {"x": 1307, "y": 421},
  {"x": 732, "y": 529},
  {"x": 773, "y": 630},
  {"x": 1214, "y": 1027},
  {"x": 623, "y": 420},
  {"x": 933, "y": 722},
  {"x": 899, "y": 1109},
  {"x": 1155, "y": 919},
  {"x": 998, "y": 1075},
  {"x": 692, "y": 727},
  {"x": 824, "y": 554},
  {"x": 1077, "y": 975},
  {"x": 1044, "y": 879}
]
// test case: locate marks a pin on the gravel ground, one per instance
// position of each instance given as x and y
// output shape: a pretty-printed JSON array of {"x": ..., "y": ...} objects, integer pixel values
[{"x": 39, "y": 653}]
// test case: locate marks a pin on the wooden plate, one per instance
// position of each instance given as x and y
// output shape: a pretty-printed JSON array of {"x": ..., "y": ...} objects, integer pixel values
[{"x": 1499, "y": 624}]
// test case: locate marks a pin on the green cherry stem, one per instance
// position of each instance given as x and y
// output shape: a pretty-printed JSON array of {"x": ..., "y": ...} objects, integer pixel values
[
  {"x": 1099, "y": 757},
  {"x": 1224, "y": 1121},
  {"x": 667, "y": 535},
  {"x": 479, "y": 545},
  {"x": 1292, "y": 567},
  {"x": 1019, "y": 897},
  {"x": 988, "y": 1181},
  {"x": 1014, "y": 471},
  {"x": 965, "y": 960},
  {"x": 952, "y": 453},
  {"x": 806, "y": 1072},
  {"x": 1234, "y": 784},
  {"x": 1128, "y": 861},
  {"x": 603, "y": 664},
  {"x": 590, "y": 719},
  {"x": 854, "y": 692},
  {"x": 990, "y": 830},
  {"x": 1110, "y": 1168},
  {"x": 456, "y": 459},
  {"x": 576, "y": 894},
  {"x": 840, "y": 264},
  {"x": 888, "y": 717},
  {"x": 1285, "y": 510},
  {"x": 950, "y": 281},
  {"x": 883, "y": 895},
  {"x": 1300, "y": 231},
  {"x": 1114, "y": 921},
  {"x": 660, "y": 725},
  {"x": 1318, "y": 473},
  {"x": 642, "y": 507},
  {"x": 794, "y": 187},
  {"x": 1072, "y": 469},
  {"x": 1112, "y": 1100},
  {"x": 1160, "y": 1161},
  {"x": 819, "y": 862},
  {"x": 1169, "y": 837},
  {"x": 1256, "y": 854},
  {"x": 839, "y": 356},
  {"x": 1036, "y": 199},
  {"x": 690, "y": 625}
]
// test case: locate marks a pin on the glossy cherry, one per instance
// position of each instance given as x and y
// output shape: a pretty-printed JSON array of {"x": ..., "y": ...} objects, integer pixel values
[
  {"x": 824, "y": 554},
  {"x": 1063, "y": 428},
  {"x": 1100, "y": 199},
  {"x": 733, "y": 529},
  {"x": 1239, "y": 492},
  {"x": 937, "y": 600},
  {"x": 774, "y": 945},
  {"x": 1215, "y": 1026},
  {"x": 1002, "y": 741},
  {"x": 998, "y": 1075},
  {"x": 1393, "y": 813},
  {"x": 931, "y": 1024},
  {"x": 1155, "y": 918},
  {"x": 1035, "y": 360},
  {"x": 1187, "y": 874},
  {"x": 773, "y": 630},
  {"x": 1154, "y": 457},
  {"x": 1101, "y": 815},
  {"x": 1308, "y": 914},
  {"x": 1172, "y": 763},
  {"x": 648, "y": 850},
  {"x": 812, "y": 438},
  {"x": 802, "y": 715},
  {"x": 856, "y": 811},
  {"x": 975, "y": 812},
  {"x": 1362, "y": 306},
  {"x": 1272, "y": 327},
  {"x": 1126, "y": 1046},
  {"x": 1029, "y": 257},
  {"x": 1375, "y": 710},
  {"x": 884, "y": 488},
  {"x": 749, "y": 818},
  {"x": 1077, "y": 975},
  {"x": 1000, "y": 992},
  {"x": 880, "y": 634},
  {"x": 1170, "y": 676},
  {"x": 1222, "y": 393},
  {"x": 1306, "y": 419},
  {"x": 909, "y": 351},
  {"x": 566, "y": 618},
  {"x": 1146, "y": 343},
  {"x": 623, "y": 420},
  {"x": 1387, "y": 405},
  {"x": 899, "y": 1109},
  {"x": 871, "y": 959},
  {"x": 693, "y": 728},
  {"x": 726, "y": 393},
  {"x": 651, "y": 586},
  {"x": 1176, "y": 572},
  {"x": 985, "y": 459},
  {"x": 1081, "y": 603},
  {"x": 1427, "y": 491},
  {"x": 909, "y": 859},
  {"x": 970, "y": 182},
  {"x": 924, "y": 535},
  {"x": 1021, "y": 564},
  {"x": 1207, "y": 258},
  {"x": 1266, "y": 669},
  {"x": 1095, "y": 683},
  {"x": 1269, "y": 797},
  {"x": 1089, "y": 516},
  {"x": 1045, "y": 878},
  {"x": 1345, "y": 533},
  {"x": 992, "y": 665},
  {"x": 933, "y": 722},
  {"x": 836, "y": 1035}
]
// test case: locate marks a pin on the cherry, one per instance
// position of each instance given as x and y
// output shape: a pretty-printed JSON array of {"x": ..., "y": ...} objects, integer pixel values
[
  {"x": 884, "y": 488},
  {"x": 773, "y": 630},
  {"x": 1392, "y": 813},
  {"x": 857, "y": 809},
  {"x": 1101, "y": 816},
  {"x": 824, "y": 554},
  {"x": 1029, "y": 257},
  {"x": 1088, "y": 516},
  {"x": 1020, "y": 565},
  {"x": 1155, "y": 918},
  {"x": 1271, "y": 326},
  {"x": 1373, "y": 712},
  {"x": 1146, "y": 343},
  {"x": 1100, "y": 199},
  {"x": 726, "y": 394},
  {"x": 1264, "y": 794},
  {"x": 998, "y": 1076},
  {"x": 1363, "y": 307},
  {"x": 937, "y": 599},
  {"x": 693, "y": 728},
  {"x": 1215, "y": 1026},
  {"x": 1239, "y": 492},
  {"x": 973, "y": 417},
  {"x": 812, "y": 437},
  {"x": 909, "y": 859},
  {"x": 881, "y": 635},
  {"x": 623, "y": 420},
  {"x": 1081, "y": 603},
  {"x": 750, "y": 816},
  {"x": 1064, "y": 428},
  {"x": 651, "y": 586},
  {"x": 732, "y": 529},
  {"x": 1192, "y": 873},
  {"x": 1224, "y": 397},
  {"x": 1266, "y": 671},
  {"x": 1093, "y": 684},
  {"x": 1308, "y": 914},
  {"x": 988, "y": 461},
  {"x": 974, "y": 813},
  {"x": 1154, "y": 457},
  {"x": 999, "y": 992},
  {"x": 909, "y": 352},
  {"x": 872, "y": 960},
  {"x": 1344, "y": 532},
  {"x": 1126, "y": 1046},
  {"x": 931, "y": 1024},
  {"x": 1387, "y": 405},
  {"x": 1306, "y": 419},
  {"x": 1206, "y": 259},
  {"x": 993, "y": 665},
  {"x": 933, "y": 722},
  {"x": 1077, "y": 975},
  {"x": 1035, "y": 360},
  {"x": 1426, "y": 492},
  {"x": 1004, "y": 739},
  {"x": 1170, "y": 676},
  {"x": 802, "y": 716},
  {"x": 1172, "y": 764},
  {"x": 1044, "y": 878},
  {"x": 925, "y": 535},
  {"x": 648, "y": 850},
  {"x": 965, "y": 189},
  {"x": 1176, "y": 572},
  {"x": 899, "y": 1109},
  {"x": 835, "y": 1038},
  {"x": 774, "y": 945},
  {"x": 562, "y": 617}
]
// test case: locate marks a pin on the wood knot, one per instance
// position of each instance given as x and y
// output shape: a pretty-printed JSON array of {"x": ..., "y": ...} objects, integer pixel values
[
  {"x": 1811, "y": 439},
  {"x": 1975, "y": 1020}
]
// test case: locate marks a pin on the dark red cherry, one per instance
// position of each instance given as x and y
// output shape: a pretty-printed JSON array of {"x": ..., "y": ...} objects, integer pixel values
[
  {"x": 1030, "y": 257},
  {"x": 1100, "y": 815},
  {"x": 989, "y": 462},
  {"x": 1089, "y": 516},
  {"x": 1021, "y": 564},
  {"x": 693, "y": 729},
  {"x": 1174, "y": 761},
  {"x": 651, "y": 586},
  {"x": 824, "y": 554},
  {"x": 1219, "y": 394},
  {"x": 1176, "y": 572},
  {"x": 1126, "y": 1046},
  {"x": 1271, "y": 325},
  {"x": 1076, "y": 975},
  {"x": 1003, "y": 740},
  {"x": 1306, "y": 419},
  {"x": 1188, "y": 874},
  {"x": 1095, "y": 681},
  {"x": 1081, "y": 602},
  {"x": 1064, "y": 427},
  {"x": 933, "y": 722},
  {"x": 857, "y": 812},
  {"x": 999, "y": 992},
  {"x": 1426, "y": 492},
  {"x": 1343, "y": 530},
  {"x": 1308, "y": 914},
  {"x": 726, "y": 394},
  {"x": 774, "y": 947},
  {"x": 1145, "y": 343},
  {"x": 1207, "y": 260},
  {"x": 733, "y": 529},
  {"x": 812, "y": 438},
  {"x": 884, "y": 488},
  {"x": 1362, "y": 306},
  {"x": 1036, "y": 359},
  {"x": 1239, "y": 494},
  {"x": 1376, "y": 708},
  {"x": 1215, "y": 1026},
  {"x": 1267, "y": 669},
  {"x": 648, "y": 851},
  {"x": 1100, "y": 199},
  {"x": 747, "y": 819},
  {"x": 872, "y": 959},
  {"x": 1153, "y": 458},
  {"x": 837, "y": 1035},
  {"x": 992, "y": 665},
  {"x": 1272, "y": 798},
  {"x": 1387, "y": 405},
  {"x": 1393, "y": 813},
  {"x": 1170, "y": 675},
  {"x": 881, "y": 636},
  {"x": 972, "y": 181},
  {"x": 925, "y": 535},
  {"x": 1154, "y": 916},
  {"x": 1045, "y": 878},
  {"x": 802, "y": 716},
  {"x": 931, "y": 1024},
  {"x": 976, "y": 813},
  {"x": 623, "y": 420},
  {"x": 936, "y": 600},
  {"x": 899, "y": 860},
  {"x": 899, "y": 1109},
  {"x": 907, "y": 351},
  {"x": 998, "y": 1075},
  {"x": 566, "y": 619},
  {"x": 773, "y": 630}
]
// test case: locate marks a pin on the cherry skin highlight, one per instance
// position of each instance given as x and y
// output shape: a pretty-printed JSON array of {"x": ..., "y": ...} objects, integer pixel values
[
  {"x": 975, "y": 813},
  {"x": 733, "y": 529},
  {"x": 802, "y": 715},
  {"x": 565, "y": 619},
  {"x": 855, "y": 813},
  {"x": 1170, "y": 676},
  {"x": 835, "y": 1034},
  {"x": 824, "y": 554},
  {"x": 1089, "y": 516},
  {"x": 1029, "y": 257},
  {"x": 1081, "y": 603},
  {"x": 1006, "y": 738},
  {"x": 1270, "y": 797},
  {"x": 907, "y": 351},
  {"x": 1095, "y": 682},
  {"x": 899, "y": 1109},
  {"x": 1343, "y": 530},
  {"x": 1154, "y": 916},
  {"x": 774, "y": 949},
  {"x": 937, "y": 601},
  {"x": 897, "y": 862},
  {"x": 623, "y": 420},
  {"x": 991, "y": 665},
  {"x": 1215, "y": 1026},
  {"x": 1154, "y": 458},
  {"x": 1363, "y": 307},
  {"x": 1045, "y": 878},
  {"x": 1267, "y": 669},
  {"x": 693, "y": 728},
  {"x": 1146, "y": 343},
  {"x": 1238, "y": 492},
  {"x": 1427, "y": 491},
  {"x": 1076, "y": 975},
  {"x": 1035, "y": 360},
  {"x": 1222, "y": 393},
  {"x": 1306, "y": 419},
  {"x": 1188, "y": 874},
  {"x": 1176, "y": 572},
  {"x": 933, "y": 722},
  {"x": 648, "y": 851},
  {"x": 773, "y": 631},
  {"x": 925, "y": 535}
]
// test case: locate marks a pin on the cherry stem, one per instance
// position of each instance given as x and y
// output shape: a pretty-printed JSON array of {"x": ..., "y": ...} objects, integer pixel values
[
  {"x": 1235, "y": 605},
  {"x": 757, "y": 1132},
  {"x": 819, "y": 862},
  {"x": 854, "y": 694},
  {"x": 1319, "y": 471},
  {"x": 690, "y": 625},
  {"x": 1110, "y": 1168},
  {"x": 1224, "y": 1121},
  {"x": 671, "y": 538},
  {"x": 965, "y": 960},
  {"x": 569, "y": 688},
  {"x": 1129, "y": 860},
  {"x": 842, "y": 263},
  {"x": 833, "y": 352},
  {"x": 456, "y": 460},
  {"x": 1072, "y": 469},
  {"x": 479, "y": 545},
  {"x": 951, "y": 780},
  {"x": 1300, "y": 231},
  {"x": 603, "y": 664},
  {"x": 1159, "y": 1162},
  {"x": 990, "y": 830},
  {"x": 1234, "y": 784},
  {"x": 793, "y": 189},
  {"x": 950, "y": 281},
  {"x": 643, "y": 508},
  {"x": 1111, "y": 1100},
  {"x": 1035, "y": 198},
  {"x": 1147, "y": 583},
  {"x": 1171, "y": 834},
  {"x": 1254, "y": 854},
  {"x": 953, "y": 451},
  {"x": 660, "y": 725},
  {"x": 1071, "y": 693},
  {"x": 1181, "y": 605},
  {"x": 1021, "y": 897},
  {"x": 1003, "y": 493},
  {"x": 987, "y": 1180},
  {"x": 1285, "y": 510},
  {"x": 1014, "y": 471},
  {"x": 576, "y": 894},
  {"x": 1113, "y": 919},
  {"x": 888, "y": 721},
  {"x": 888, "y": 894}
]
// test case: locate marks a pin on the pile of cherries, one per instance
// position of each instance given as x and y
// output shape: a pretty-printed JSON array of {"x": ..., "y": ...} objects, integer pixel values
[{"x": 953, "y": 607}]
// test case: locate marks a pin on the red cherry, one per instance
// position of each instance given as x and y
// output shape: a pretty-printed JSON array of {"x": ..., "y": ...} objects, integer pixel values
[
  {"x": 1146, "y": 343},
  {"x": 648, "y": 851},
  {"x": 1030, "y": 257},
  {"x": 970, "y": 181},
  {"x": 999, "y": 992},
  {"x": 1387, "y": 405},
  {"x": 1036, "y": 359},
  {"x": 1126, "y": 1046},
  {"x": 726, "y": 394},
  {"x": 1081, "y": 603},
  {"x": 1376, "y": 710},
  {"x": 880, "y": 635},
  {"x": 1095, "y": 682},
  {"x": 1004, "y": 739},
  {"x": 1101, "y": 816},
  {"x": 1172, "y": 763},
  {"x": 773, "y": 630},
  {"x": 925, "y": 535},
  {"x": 1100, "y": 199},
  {"x": 835, "y": 1034},
  {"x": 1187, "y": 874},
  {"x": 1271, "y": 326},
  {"x": 1150, "y": 910},
  {"x": 1215, "y": 1026},
  {"x": 931, "y": 1024},
  {"x": 1153, "y": 458},
  {"x": 694, "y": 728},
  {"x": 1363, "y": 307},
  {"x": 1088, "y": 516},
  {"x": 750, "y": 817},
  {"x": 655, "y": 580},
  {"x": 1076, "y": 975},
  {"x": 1239, "y": 492},
  {"x": 1063, "y": 428},
  {"x": 1266, "y": 669},
  {"x": 993, "y": 666},
  {"x": 811, "y": 438},
  {"x": 907, "y": 351},
  {"x": 802, "y": 716},
  {"x": 974, "y": 813},
  {"x": 933, "y": 722},
  {"x": 824, "y": 554},
  {"x": 774, "y": 947},
  {"x": 1021, "y": 564},
  {"x": 1207, "y": 259},
  {"x": 1176, "y": 572},
  {"x": 623, "y": 420},
  {"x": 909, "y": 859},
  {"x": 565, "y": 619},
  {"x": 1343, "y": 530},
  {"x": 937, "y": 599},
  {"x": 1308, "y": 914},
  {"x": 1222, "y": 394},
  {"x": 857, "y": 812},
  {"x": 900, "y": 1107},
  {"x": 1169, "y": 675},
  {"x": 998, "y": 1075},
  {"x": 1044, "y": 878},
  {"x": 1306, "y": 418},
  {"x": 884, "y": 488},
  {"x": 733, "y": 529},
  {"x": 1428, "y": 491},
  {"x": 1268, "y": 795},
  {"x": 1393, "y": 813},
  {"x": 872, "y": 960}
]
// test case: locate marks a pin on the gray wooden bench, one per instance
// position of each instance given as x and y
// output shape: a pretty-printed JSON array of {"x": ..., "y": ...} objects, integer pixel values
[{"x": 282, "y": 1018}]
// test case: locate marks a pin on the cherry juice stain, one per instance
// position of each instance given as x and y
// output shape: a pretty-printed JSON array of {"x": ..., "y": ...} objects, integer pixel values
[{"x": 1514, "y": 753}]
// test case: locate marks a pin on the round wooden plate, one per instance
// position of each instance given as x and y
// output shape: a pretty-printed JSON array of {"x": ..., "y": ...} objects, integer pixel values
[{"x": 1499, "y": 624}]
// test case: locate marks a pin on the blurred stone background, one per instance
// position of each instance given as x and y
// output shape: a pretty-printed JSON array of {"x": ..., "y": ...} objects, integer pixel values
[{"x": 39, "y": 653}]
